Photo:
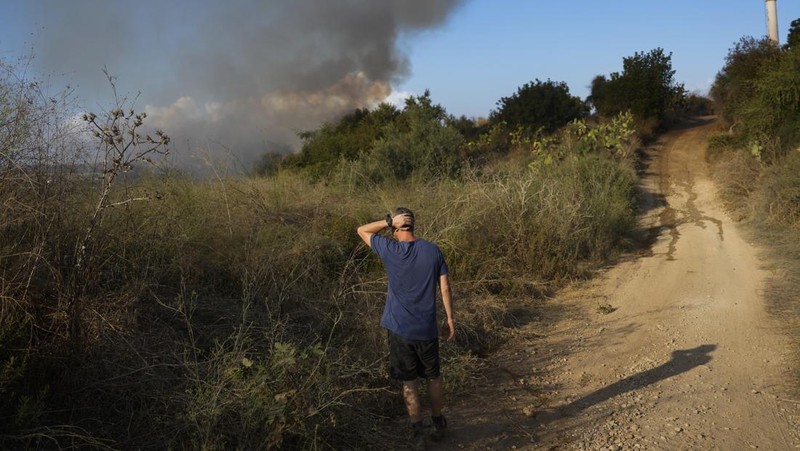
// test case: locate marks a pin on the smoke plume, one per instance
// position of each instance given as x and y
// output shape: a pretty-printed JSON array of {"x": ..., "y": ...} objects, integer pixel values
[{"x": 238, "y": 74}]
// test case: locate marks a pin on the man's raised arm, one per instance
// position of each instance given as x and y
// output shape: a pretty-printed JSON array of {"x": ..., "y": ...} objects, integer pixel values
[{"x": 367, "y": 230}]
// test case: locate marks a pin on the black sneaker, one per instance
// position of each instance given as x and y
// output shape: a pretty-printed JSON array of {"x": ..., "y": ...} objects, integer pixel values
[
  {"x": 418, "y": 437},
  {"x": 439, "y": 427}
]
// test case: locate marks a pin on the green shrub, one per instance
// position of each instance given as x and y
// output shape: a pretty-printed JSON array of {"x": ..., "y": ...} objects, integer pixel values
[
  {"x": 771, "y": 116},
  {"x": 542, "y": 105},
  {"x": 384, "y": 144},
  {"x": 421, "y": 142},
  {"x": 343, "y": 140},
  {"x": 726, "y": 141},
  {"x": 289, "y": 396},
  {"x": 493, "y": 142}
]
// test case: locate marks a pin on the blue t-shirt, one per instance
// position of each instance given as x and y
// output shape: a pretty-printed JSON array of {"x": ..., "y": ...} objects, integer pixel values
[{"x": 414, "y": 268}]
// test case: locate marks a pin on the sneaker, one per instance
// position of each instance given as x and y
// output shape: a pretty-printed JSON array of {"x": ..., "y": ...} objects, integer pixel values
[
  {"x": 418, "y": 437},
  {"x": 439, "y": 427}
]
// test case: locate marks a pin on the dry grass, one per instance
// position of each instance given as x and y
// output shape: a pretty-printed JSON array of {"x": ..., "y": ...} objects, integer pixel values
[
  {"x": 225, "y": 304},
  {"x": 737, "y": 178}
]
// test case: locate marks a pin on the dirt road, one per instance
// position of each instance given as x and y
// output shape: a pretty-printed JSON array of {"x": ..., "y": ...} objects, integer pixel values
[{"x": 670, "y": 349}]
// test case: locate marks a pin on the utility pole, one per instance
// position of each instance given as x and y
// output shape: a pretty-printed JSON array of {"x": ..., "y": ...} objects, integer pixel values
[{"x": 772, "y": 21}]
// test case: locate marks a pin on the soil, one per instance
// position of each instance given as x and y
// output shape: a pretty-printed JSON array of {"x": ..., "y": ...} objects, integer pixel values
[{"x": 671, "y": 348}]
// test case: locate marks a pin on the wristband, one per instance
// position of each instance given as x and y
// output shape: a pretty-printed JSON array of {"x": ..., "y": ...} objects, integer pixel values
[{"x": 388, "y": 220}]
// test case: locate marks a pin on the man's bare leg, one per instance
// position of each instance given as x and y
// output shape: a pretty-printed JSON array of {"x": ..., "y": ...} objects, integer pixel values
[
  {"x": 436, "y": 395},
  {"x": 411, "y": 396}
]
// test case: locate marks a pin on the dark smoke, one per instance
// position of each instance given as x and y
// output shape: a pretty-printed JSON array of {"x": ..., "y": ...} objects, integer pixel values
[{"x": 234, "y": 74}]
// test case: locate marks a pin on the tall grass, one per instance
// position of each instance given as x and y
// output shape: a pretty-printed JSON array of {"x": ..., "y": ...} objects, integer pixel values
[{"x": 244, "y": 313}]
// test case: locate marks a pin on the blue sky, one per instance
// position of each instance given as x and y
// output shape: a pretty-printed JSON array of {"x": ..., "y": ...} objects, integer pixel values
[
  {"x": 489, "y": 48},
  {"x": 246, "y": 75}
]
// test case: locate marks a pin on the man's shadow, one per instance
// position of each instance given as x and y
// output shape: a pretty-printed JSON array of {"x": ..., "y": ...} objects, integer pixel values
[{"x": 681, "y": 362}]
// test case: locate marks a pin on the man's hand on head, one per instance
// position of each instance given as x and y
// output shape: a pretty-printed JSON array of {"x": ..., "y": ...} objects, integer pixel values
[{"x": 401, "y": 220}]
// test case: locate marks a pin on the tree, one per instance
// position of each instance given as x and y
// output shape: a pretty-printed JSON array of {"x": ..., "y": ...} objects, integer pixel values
[
  {"x": 771, "y": 115},
  {"x": 123, "y": 144},
  {"x": 758, "y": 94},
  {"x": 793, "y": 39},
  {"x": 733, "y": 85},
  {"x": 547, "y": 105},
  {"x": 605, "y": 98},
  {"x": 40, "y": 151},
  {"x": 646, "y": 87},
  {"x": 468, "y": 128}
]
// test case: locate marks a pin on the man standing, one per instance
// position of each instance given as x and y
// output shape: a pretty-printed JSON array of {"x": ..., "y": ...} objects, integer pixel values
[{"x": 414, "y": 267}]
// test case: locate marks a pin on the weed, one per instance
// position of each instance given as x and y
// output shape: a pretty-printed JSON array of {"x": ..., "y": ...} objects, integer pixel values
[{"x": 605, "y": 308}]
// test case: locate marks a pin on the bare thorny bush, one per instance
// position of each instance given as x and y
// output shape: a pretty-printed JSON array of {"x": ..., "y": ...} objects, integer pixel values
[
  {"x": 38, "y": 151},
  {"x": 122, "y": 146},
  {"x": 46, "y": 262}
]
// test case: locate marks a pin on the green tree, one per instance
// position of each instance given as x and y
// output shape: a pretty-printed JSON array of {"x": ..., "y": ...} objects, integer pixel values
[
  {"x": 793, "y": 39},
  {"x": 733, "y": 85},
  {"x": 607, "y": 98},
  {"x": 758, "y": 93},
  {"x": 547, "y": 105},
  {"x": 646, "y": 86},
  {"x": 771, "y": 116}
]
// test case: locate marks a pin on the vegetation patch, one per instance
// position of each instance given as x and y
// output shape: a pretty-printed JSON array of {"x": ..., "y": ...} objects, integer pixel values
[{"x": 148, "y": 309}]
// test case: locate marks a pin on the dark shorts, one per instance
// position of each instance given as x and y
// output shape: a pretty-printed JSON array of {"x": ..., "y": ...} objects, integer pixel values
[{"x": 410, "y": 359}]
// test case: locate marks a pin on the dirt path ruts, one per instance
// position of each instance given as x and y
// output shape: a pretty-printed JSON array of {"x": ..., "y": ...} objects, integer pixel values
[{"x": 688, "y": 359}]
